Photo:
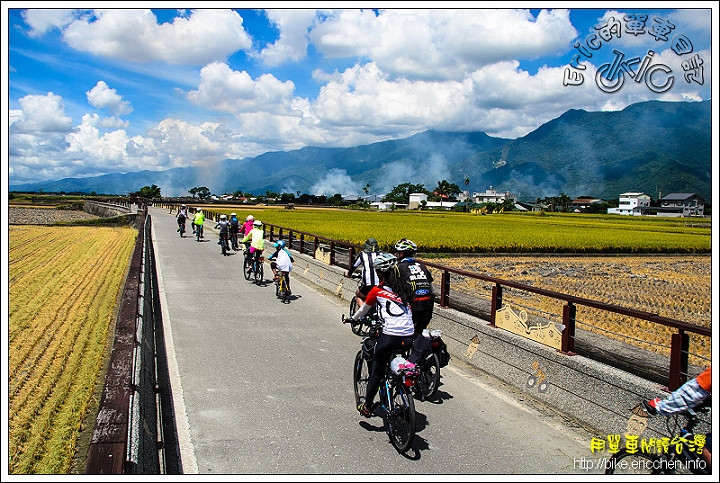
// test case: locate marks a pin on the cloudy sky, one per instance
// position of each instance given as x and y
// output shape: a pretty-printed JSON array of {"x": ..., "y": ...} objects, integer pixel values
[{"x": 91, "y": 92}]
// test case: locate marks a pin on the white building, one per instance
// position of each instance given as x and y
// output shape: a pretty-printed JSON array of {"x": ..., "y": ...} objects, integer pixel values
[
  {"x": 633, "y": 204},
  {"x": 419, "y": 200},
  {"x": 489, "y": 196}
]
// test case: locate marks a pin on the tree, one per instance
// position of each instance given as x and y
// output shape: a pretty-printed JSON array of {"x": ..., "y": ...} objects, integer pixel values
[
  {"x": 202, "y": 192},
  {"x": 401, "y": 193},
  {"x": 564, "y": 200},
  {"x": 366, "y": 189},
  {"x": 151, "y": 192},
  {"x": 446, "y": 190}
]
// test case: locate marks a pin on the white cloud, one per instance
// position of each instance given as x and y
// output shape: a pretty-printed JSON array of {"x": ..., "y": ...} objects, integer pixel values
[
  {"x": 42, "y": 20},
  {"x": 292, "y": 43},
  {"x": 134, "y": 34},
  {"x": 42, "y": 115},
  {"x": 102, "y": 97},
  {"x": 442, "y": 44},
  {"x": 235, "y": 92}
]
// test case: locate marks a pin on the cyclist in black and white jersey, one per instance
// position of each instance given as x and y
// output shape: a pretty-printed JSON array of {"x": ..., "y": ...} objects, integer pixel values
[{"x": 366, "y": 260}]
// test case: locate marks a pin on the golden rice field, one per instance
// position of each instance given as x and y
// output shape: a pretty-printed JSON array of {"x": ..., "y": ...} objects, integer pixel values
[{"x": 63, "y": 296}]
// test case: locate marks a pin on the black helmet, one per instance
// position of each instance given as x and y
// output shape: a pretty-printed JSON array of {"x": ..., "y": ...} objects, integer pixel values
[{"x": 371, "y": 245}]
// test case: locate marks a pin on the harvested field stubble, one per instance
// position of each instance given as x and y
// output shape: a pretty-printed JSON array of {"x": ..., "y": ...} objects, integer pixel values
[
  {"x": 64, "y": 284},
  {"x": 677, "y": 287}
]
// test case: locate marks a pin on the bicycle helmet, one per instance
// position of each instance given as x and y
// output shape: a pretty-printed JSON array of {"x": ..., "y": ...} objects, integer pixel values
[
  {"x": 405, "y": 245},
  {"x": 199, "y": 209},
  {"x": 233, "y": 214},
  {"x": 257, "y": 223},
  {"x": 371, "y": 245},
  {"x": 385, "y": 262},
  {"x": 223, "y": 217},
  {"x": 280, "y": 244},
  {"x": 249, "y": 218}
]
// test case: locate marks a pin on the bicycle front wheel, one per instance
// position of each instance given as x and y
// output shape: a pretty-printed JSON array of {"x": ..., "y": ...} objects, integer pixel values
[
  {"x": 361, "y": 374},
  {"x": 400, "y": 418},
  {"x": 429, "y": 379},
  {"x": 624, "y": 463}
]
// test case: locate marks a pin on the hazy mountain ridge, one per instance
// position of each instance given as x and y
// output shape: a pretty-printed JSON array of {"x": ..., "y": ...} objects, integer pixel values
[{"x": 650, "y": 146}]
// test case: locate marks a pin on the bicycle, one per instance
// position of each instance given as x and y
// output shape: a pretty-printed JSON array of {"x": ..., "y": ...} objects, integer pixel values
[
  {"x": 181, "y": 228},
  {"x": 395, "y": 398},
  {"x": 679, "y": 457},
  {"x": 224, "y": 243},
  {"x": 282, "y": 288},
  {"x": 429, "y": 366},
  {"x": 198, "y": 232},
  {"x": 253, "y": 267}
]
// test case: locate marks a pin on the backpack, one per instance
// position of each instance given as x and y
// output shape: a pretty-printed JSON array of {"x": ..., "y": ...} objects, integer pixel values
[{"x": 443, "y": 354}]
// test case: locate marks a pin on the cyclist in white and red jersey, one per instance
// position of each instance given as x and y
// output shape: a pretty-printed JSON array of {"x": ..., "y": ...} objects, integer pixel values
[{"x": 391, "y": 298}]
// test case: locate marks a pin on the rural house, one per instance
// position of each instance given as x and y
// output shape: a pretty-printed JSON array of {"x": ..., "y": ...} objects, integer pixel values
[
  {"x": 681, "y": 205},
  {"x": 633, "y": 204}
]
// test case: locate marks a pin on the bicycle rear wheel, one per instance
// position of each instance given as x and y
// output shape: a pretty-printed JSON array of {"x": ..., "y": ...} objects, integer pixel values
[
  {"x": 361, "y": 374},
  {"x": 258, "y": 272},
  {"x": 284, "y": 289},
  {"x": 429, "y": 380},
  {"x": 624, "y": 463},
  {"x": 400, "y": 418}
]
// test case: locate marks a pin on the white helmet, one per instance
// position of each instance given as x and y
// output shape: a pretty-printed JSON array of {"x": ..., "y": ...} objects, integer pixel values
[
  {"x": 257, "y": 223},
  {"x": 223, "y": 217},
  {"x": 249, "y": 218}
]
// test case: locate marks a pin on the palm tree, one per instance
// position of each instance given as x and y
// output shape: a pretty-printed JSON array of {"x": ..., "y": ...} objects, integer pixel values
[{"x": 445, "y": 189}]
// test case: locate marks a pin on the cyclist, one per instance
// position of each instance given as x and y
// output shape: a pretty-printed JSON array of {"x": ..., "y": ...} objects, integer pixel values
[
  {"x": 246, "y": 228},
  {"x": 234, "y": 230},
  {"x": 181, "y": 217},
  {"x": 256, "y": 237},
  {"x": 420, "y": 279},
  {"x": 391, "y": 298},
  {"x": 690, "y": 395},
  {"x": 369, "y": 276},
  {"x": 283, "y": 261},
  {"x": 224, "y": 228},
  {"x": 198, "y": 221}
]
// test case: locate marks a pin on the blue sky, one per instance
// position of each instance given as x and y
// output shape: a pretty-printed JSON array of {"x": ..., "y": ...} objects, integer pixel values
[{"x": 92, "y": 92}]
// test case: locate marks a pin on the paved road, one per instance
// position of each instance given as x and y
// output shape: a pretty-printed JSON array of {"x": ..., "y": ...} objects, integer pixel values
[{"x": 265, "y": 388}]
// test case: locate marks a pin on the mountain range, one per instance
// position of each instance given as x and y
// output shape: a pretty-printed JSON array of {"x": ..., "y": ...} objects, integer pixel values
[{"x": 655, "y": 147}]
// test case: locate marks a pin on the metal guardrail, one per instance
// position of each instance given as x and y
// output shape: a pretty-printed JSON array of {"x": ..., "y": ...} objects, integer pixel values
[
  {"x": 134, "y": 430},
  {"x": 309, "y": 243}
]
